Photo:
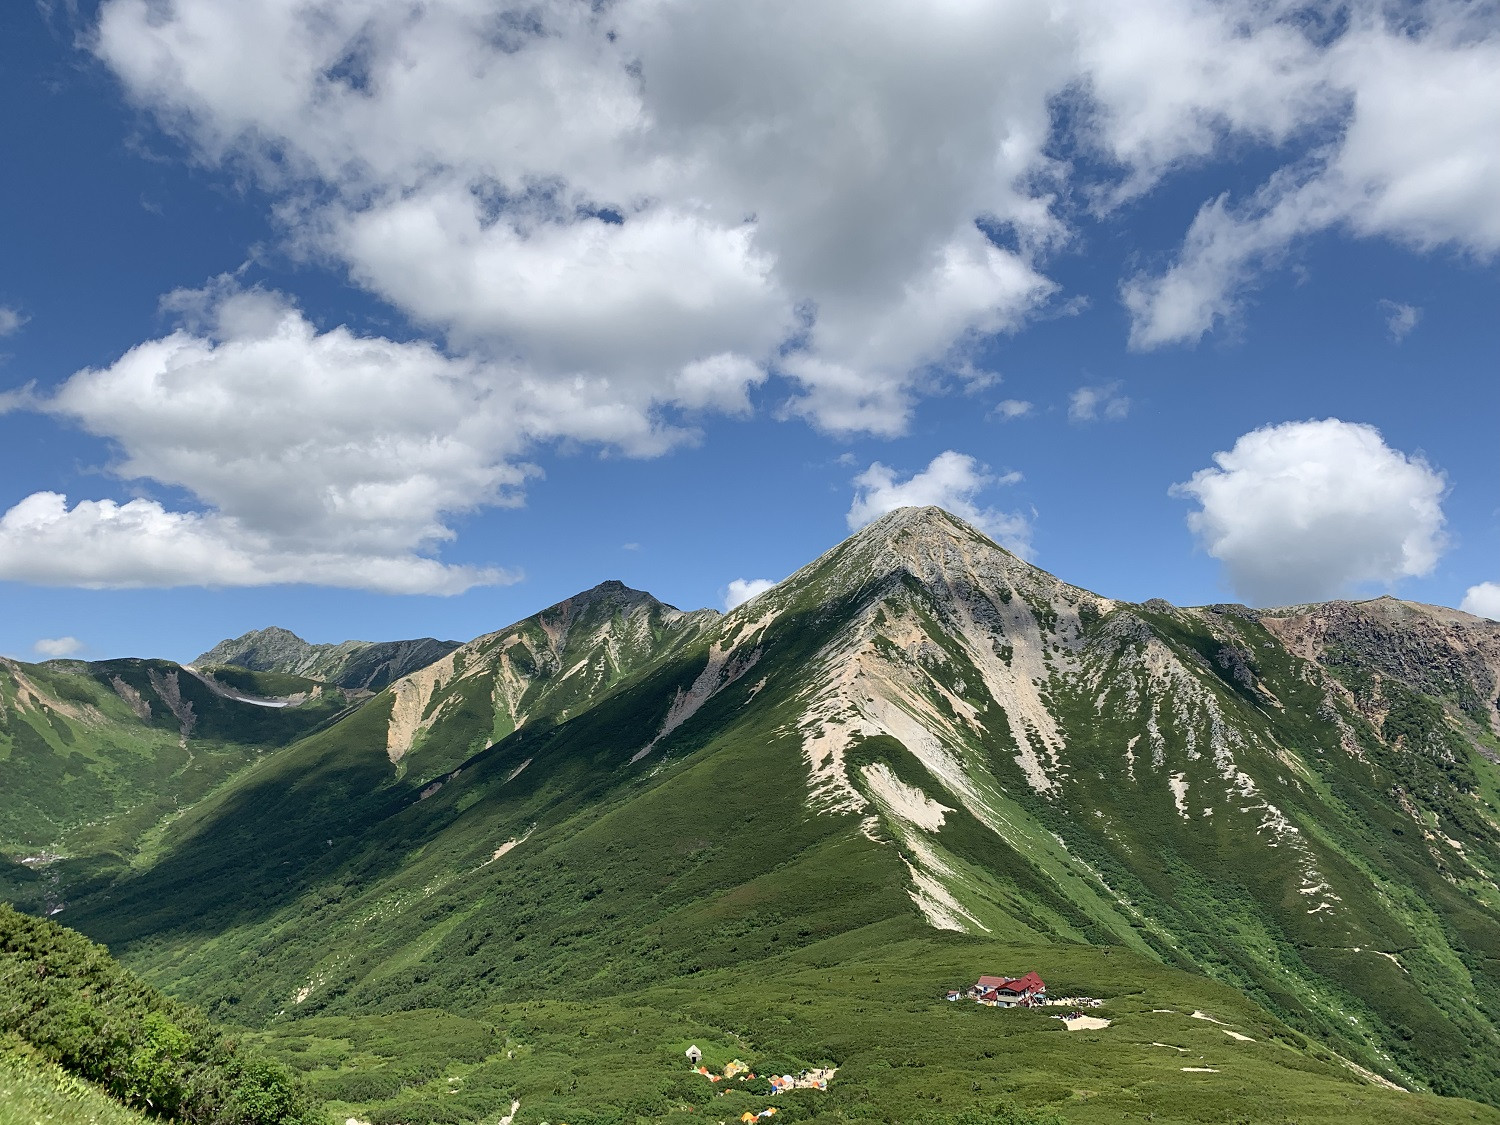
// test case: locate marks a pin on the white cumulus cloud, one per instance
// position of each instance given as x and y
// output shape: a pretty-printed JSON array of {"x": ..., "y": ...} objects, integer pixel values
[
  {"x": 620, "y": 192},
  {"x": 317, "y": 456},
  {"x": 321, "y": 457},
  {"x": 11, "y": 320},
  {"x": 1400, "y": 318},
  {"x": 1414, "y": 160},
  {"x": 1091, "y": 404},
  {"x": 741, "y": 590},
  {"x": 1011, "y": 408},
  {"x": 313, "y": 456},
  {"x": 625, "y": 193},
  {"x": 952, "y": 481},
  {"x": 1483, "y": 600},
  {"x": 99, "y": 544},
  {"x": 55, "y": 648},
  {"x": 1304, "y": 511}
]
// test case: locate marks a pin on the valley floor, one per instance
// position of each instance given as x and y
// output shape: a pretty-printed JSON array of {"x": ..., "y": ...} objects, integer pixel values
[{"x": 870, "y": 1003}]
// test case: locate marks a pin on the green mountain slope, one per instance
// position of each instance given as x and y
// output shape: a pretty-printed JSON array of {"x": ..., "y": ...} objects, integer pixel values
[
  {"x": 95, "y": 758},
  {"x": 789, "y": 829},
  {"x": 354, "y": 665}
]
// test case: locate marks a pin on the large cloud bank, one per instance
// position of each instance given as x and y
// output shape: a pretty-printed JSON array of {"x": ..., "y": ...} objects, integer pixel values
[
  {"x": 640, "y": 185},
  {"x": 1311, "y": 510},
  {"x": 315, "y": 457},
  {"x": 614, "y": 218}
]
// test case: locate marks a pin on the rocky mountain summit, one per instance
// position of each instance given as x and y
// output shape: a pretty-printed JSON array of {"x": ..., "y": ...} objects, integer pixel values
[{"x": 565, "y": 658}]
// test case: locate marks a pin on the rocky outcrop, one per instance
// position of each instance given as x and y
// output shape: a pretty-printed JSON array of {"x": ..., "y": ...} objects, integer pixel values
[{"x": 1440, "y": 652}]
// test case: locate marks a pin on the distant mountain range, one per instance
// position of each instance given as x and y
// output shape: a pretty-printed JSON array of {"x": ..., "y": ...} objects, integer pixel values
[
  {"x": 357, "y": 665},
  {"x": 615, "y": 828}
]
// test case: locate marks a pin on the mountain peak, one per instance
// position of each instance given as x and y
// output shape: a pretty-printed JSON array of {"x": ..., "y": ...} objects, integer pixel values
[
  {"x": 611, "y": 596},
  {"x": 1386, "y": 608},
  {"x": 545, "y": 665},
  {"x": 937, "y": 548},
  {"x": 273, "y": 633},
  {"x": 612, "y": 588},
  {"x": 915, "y": 518},
  {"x": 915, "y": 532},
  {"x": 258, "y": 647}
]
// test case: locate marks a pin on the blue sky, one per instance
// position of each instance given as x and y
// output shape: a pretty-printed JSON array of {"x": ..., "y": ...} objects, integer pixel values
[{"x": 411, "y": 320}]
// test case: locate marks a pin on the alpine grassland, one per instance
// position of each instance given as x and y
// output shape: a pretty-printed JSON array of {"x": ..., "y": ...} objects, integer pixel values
[
  {"x": 520, "y": 882},
  {"x": 84, "y": 747},
  {"x": 33, "y": 1091}
]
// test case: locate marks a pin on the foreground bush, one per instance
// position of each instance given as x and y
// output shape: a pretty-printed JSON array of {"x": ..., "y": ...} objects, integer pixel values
[{"x": 74, "y": 1004}]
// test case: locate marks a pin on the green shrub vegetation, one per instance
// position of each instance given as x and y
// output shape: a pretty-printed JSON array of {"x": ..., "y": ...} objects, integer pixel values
[
  {"x": 94, "y": 756},
  {"x": 69, "y": 1001},
  {"x": 267, "y": 684}
]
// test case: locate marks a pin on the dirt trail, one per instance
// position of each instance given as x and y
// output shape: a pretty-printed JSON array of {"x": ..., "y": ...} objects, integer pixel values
[{"x": 1086, "y": 1023}]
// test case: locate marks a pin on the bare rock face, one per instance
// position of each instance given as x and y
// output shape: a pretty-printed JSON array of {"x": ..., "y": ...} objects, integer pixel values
[{"x": 1429, "y": 649}]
